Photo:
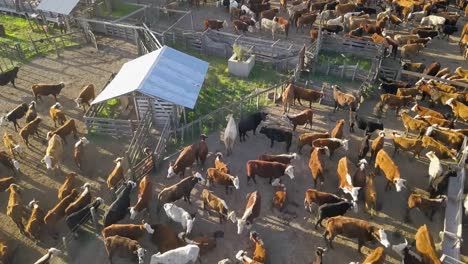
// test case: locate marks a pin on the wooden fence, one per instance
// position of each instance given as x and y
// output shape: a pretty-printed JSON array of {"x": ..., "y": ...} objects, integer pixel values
[
  {"x": 107, "y": 126},
  {"x": 10, "y": 56},
  {"x": 45, "y": 45},
  {"x": 367, "y": 49}
]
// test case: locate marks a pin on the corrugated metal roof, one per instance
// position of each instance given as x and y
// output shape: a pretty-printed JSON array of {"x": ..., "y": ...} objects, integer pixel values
[
  {"x": 64, "y": 7},
  {"x": 165, "y": 73}
]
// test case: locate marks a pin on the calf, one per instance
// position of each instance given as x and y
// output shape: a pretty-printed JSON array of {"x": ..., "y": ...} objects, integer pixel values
[
  {"x": 284, "y": 24},
  {"x": 67, "y": 186},
  {"x": 58, "y": 211},
  {"x": 29, "y": 129},
  {"x": 9, "y": 77},
  {"x": 64, "y": 130},
  {"x": 144, "y": 197},
  {"x": 365, "y": 124},
  {"x": 313, "y": 196},
  {"x": 432, "y": 20},
  {"x": 17, "y": 113},
  {"x": 5, "y": 183},
  {"x": 394, "y": 101},
  {"x": 370, "y": 195},
  {"x": 222, "y": 178},
  {"x": 283, "y": 158},
  {"x": 8, "y": 162},
  {"x": 123, "y": 247},
  {"x": 331, "y": 210},
  {"x": 39, "y": 90},
  {"x": 82, "y": 216},
  {"x": 344, "y": 172},
  {"x": 406, "y": 144},
  {"x": 10, "y": 143},
  {"x": 57, "y": 115},
  {"x": 252, "y": 211},
  {"x": 178, "y": 214},
  {"x": 317, "y": 163},
  {"x": 306, "y": 94},
  {"x": 250, "y": 122},
  {"x": 354, "y": 228},
  {"x": 179, "y": 190},
  {"x": 425, "y": 246},
  {"x": 218, "y": 205},
  {"x": 267, "y": 169},
  {"x": 451, "y": 139},
  {"x": 439, "y": 149},
  {"x": 459, "y": 109},
  {"x": 390, "y": 169},
  {"x": 117, "y": 174},
  {"x": 364, "y": 148},
  {"x": 85, "y": 96},
  {"x": 78, "y": 151},
  {"x": 427, "y": 206},
  {"x": 51, "y": 252},
  {"x": 343, "y": 99},
  {"x": 308, "y": 138},
  {"x": 130, "y": 231},
  {"x": 35, "y": 222},
  {"x": 332, "y": 144},
  {"x": 185, "y": 254},
  {"x": 276, "y": 134},
  {"x": 31, "y": 114},
  {"x": 424, "y": 111},
  {"x": 272, "y": 25},
  {"x": 413, "y": 124},
  {"x": 119, "y": 208},
  {"x": 82, "y": 201},
  {"x": 337, "y": 131},
  {"x": 220, "y": 165},
  {"x": 214, "y": 24},
  {"x": 303, "y": 118},
  {"x": 15, "y": 209}
]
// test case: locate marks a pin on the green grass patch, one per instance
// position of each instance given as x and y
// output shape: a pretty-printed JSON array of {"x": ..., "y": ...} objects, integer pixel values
[
  {"x": 337, "y": 58},
  {"x": 110, "y": 109},
  {"x": 121, "y": 9},
  {"x": 17, "y": 30},
  {"x": 221, "y": 88}
]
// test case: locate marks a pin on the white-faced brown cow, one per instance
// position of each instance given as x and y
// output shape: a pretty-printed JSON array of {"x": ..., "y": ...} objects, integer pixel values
[{"x": 252, "y": 211}]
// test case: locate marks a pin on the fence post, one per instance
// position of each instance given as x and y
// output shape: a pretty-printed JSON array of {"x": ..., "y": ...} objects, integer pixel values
[
  {"x": 56, "y": 48},
  {"x": 34, "y": 44},
  {"x": 65, "y": 246},
  {"x": 257, "y": 101},
  {"x": 19, "y": 50},
  {"x": 240, "y": 108},
  {"x": 94, "y": 218}
]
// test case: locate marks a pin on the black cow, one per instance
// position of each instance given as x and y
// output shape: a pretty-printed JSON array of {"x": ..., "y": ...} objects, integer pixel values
[
  {"x": 250, "y": 122},
  {"x": 331, "y": 210},
  {"x": 9, "y": 77},
  {"x": 81, "y": 217},
  {"x": 367, "y": 125},
  {"x": 275, "y": 134},
  {"x": 389, "y": 88},
  {"x": 14, "y": 115},
  {"x": 448, "y": 31},
  {"x": 119, "y": 208},
  {"x": 332, "y": 28},
  {"x": 331, "y": 5},
  {"x": 439, "y": 185},
  {"x": 367, "y": 10},
  {"x": 364, "y": 147}
]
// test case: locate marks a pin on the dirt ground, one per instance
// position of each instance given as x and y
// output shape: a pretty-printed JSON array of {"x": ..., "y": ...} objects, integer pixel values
[{"x": 279, "y": 231}]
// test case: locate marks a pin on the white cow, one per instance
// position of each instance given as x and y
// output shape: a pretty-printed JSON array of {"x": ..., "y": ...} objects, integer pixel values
[
  {"x": 435, "y": 167},
  {"x": 230, "y": 134},
  {"x": 326, "y": 15},
  {"x": 182, "y": 255},
  {"x": 336, "y": 21},
  {"x": 179, "y": 215},
  {"x": 247, "y": 11},
  {"x": 417, "y": 16},
  {"x": 273, "y": 26},
  {"x": 433, "y": 20}
]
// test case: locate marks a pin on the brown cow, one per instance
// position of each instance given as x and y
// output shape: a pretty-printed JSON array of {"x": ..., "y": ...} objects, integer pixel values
[
  {"x": 317, "y": 163},
  {"x": 144, "y": 197},
  {"x": 390, "y": 169},
  {"x": 252, "y": 211}
]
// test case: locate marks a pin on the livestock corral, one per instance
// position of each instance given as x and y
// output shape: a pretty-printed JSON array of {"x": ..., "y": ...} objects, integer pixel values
[{"x": 358, "y": 176}]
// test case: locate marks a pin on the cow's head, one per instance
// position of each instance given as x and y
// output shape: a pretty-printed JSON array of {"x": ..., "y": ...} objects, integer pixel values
[
  {"x": 263, "y": 130},
  {"x": 355, "y": 207},
  {"x": 133, "y": 213},
  {"x": 190, "y": 225},
  {"x": 17, "y": 148},
  {"x": 289, "y": 171},
  {"x": 228, "y": 117},
  {"x": 400, "y": 248},
  {"x": 132, "y": 184},
  {"x": 236, "y": 182},
  {"x": 344, "y": 143},
  {"x": 57, "y": 106},
  {"x": 232, "y": 216},
  {"x": 241, "y": 224},
  {"x": 170, "y": 172},
  {"x": 140, "y": 252},
  {"x": 15, "y": 164},
  {"x": 199, "y": 177},
  {"x": 148, "y": 228},
  {"x": 399, "y": 184},
  {"x": 362, "y": 164},
  {"x": 62, "y": 84},
  {"x": 49, "y": 135},
  {"x": 4, "y": 121},
  {"x": 78, "y": 101},
  {"x": 83, "y": 141},
  {"x": 354, "y": 191},
  {"x": 48, "y": 161},
  {"x": 381, "y": 236},
  {"x": 118, "y": 160}
]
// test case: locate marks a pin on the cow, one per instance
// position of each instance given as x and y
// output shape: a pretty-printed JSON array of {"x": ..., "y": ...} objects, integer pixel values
[
  {"x": 67, "y": 186},
  {"x": 391, "y": 171},
  {"x": 214, "y": 24},
  {"x": 206, "y": 243},
  {"x": 406, "y": 144},
  {"x": 218, "y": 205},
  {"x": 144, "y": 197},
  {"x": 82, "y": 216},
  {"x": 9, "y": 76},
  {"x": 85, "y": 96},
  {"x": 364, "y": 148},
  {"x": 222, "y": 178},
  {"x": 51, "y": 252},
  {"x": 117, "y": 174},
  {"x": 178, "y": 214},
  {"x": 343, "y": 99},
  {"x": 317, "y": 163},
  {"x": 337, "y": 131},
  {"x": 408, "y": 256},
  {"x": 344, "y": 172},
  {"x": 54, "y": 151},
  {"x": 394, "y": 101},
  {"x": 63, "y": 131},
  {"x": 424, "y": 111},
  {"x": 412, "y": 66},
  {"x": 252, "y": 211},
  {"x": 331, "y": 143},
  {"x": 411, "y": 50},
  {"x": 39, "y": 90},
  {"x": 10, "y": 143},
  {"x": 78, "y": 151},
  {"x": 306, "y": 94},
  {"x": 305, "y": 19},
  {"x": 276, "y": 134},
  {"x": 439, "y": 185},
  {"x": 123, "y": 247},
  {"x": 364, "y": 123},
  {"x": 331, "y": 210},
  {"x": 57, "y": 115},
  {"x": 354, "y": 228},
  {"x": 308, "y": 138},
  {"x": 9, "y": 162},
  {"x": 131, "y": 231},
  {"x": 15, "y": 209},
  {"x": 119, "y": 208},
  {"x": 303, "y": 118},
  {"x": 313, "y": 196},
  {"x": 5, "y": 183},
  {"x": 31, "y": 114},
  {"x": 426, "y": 205},
  {"x": 17, "y": 113},
  {"x": 377, "y": 256},
  {"x": 451, "y": 139},
  {"x": 230, "y": 134},
  {"x": 282, "y": 158},
  {"x": 267, "y": 169},
  {"x": 425, "y": 246},
  {"x": 185, "y": 254},
  {"x": 179, "y": 190},
  {"x": 413, "y": 124},
  {"x": 58, "y": 212},
  {"x": 440, "y": 150},
  {"x": 459, "y": 109},
  {"x": 29, "y": 129},
  {"x": 250, "y": 122}
]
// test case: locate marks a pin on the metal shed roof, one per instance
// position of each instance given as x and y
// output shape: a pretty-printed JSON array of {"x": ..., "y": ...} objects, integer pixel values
[
  {"x": 64, "y": 7},
  {"x": 165, "y": 73}
]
